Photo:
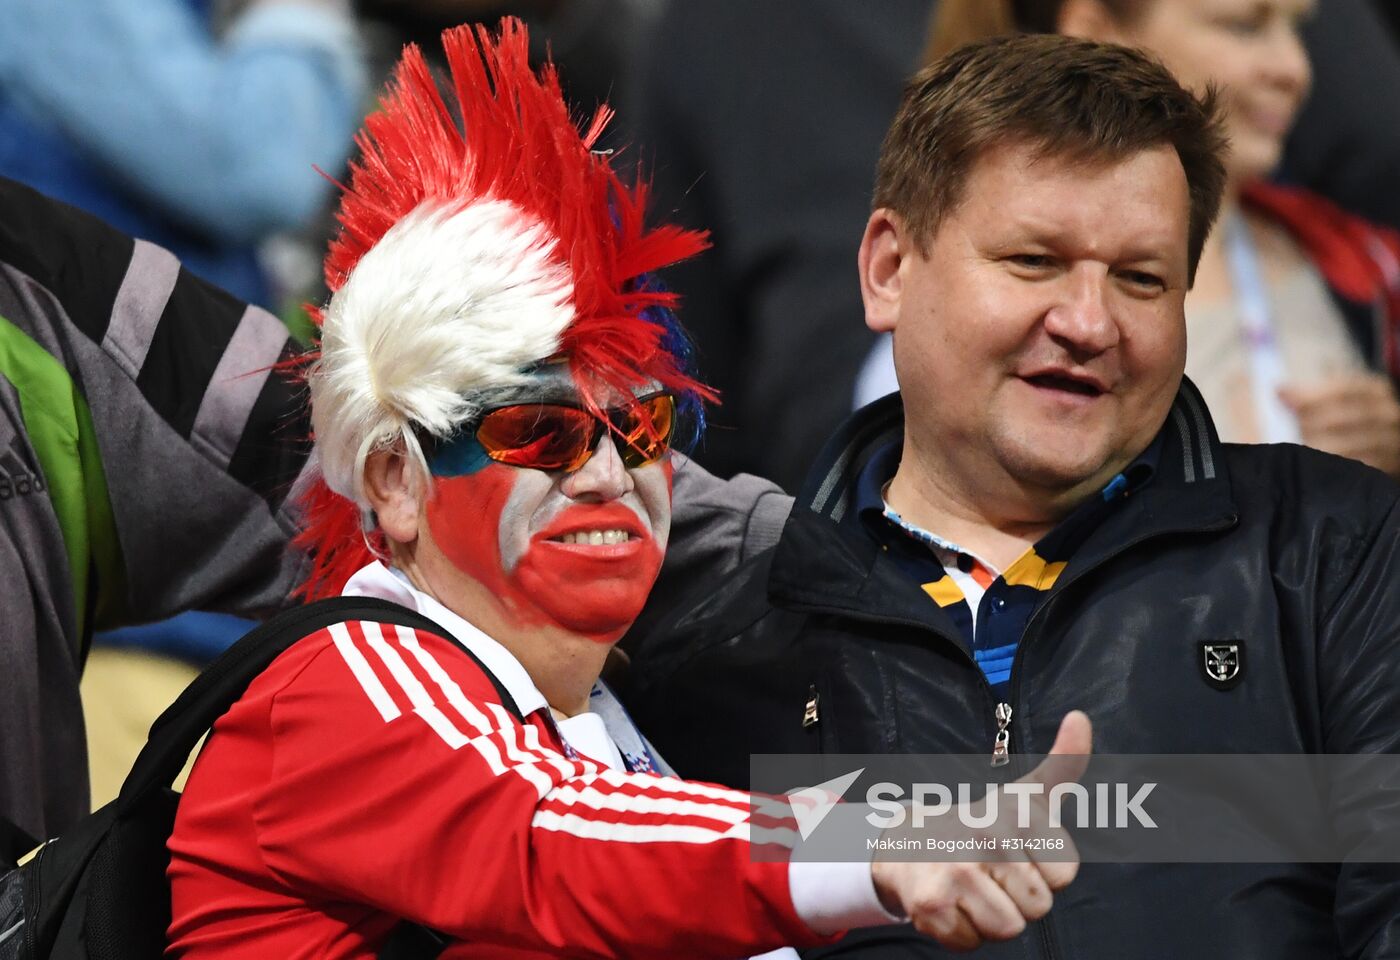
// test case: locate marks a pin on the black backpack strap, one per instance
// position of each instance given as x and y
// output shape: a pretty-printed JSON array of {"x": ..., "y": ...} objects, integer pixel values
[
  {"x": 176, "y": 731},
  {"x": 15, "y": 842}
]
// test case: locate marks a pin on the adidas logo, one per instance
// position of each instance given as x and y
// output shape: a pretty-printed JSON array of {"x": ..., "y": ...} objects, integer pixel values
[{"x": 16, "y": 479}]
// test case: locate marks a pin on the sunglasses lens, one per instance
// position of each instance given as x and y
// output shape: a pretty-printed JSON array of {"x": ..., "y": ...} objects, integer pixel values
[
  {"x": 537, "y": 435},
  {"x": 546, "y": 436},
  {"x": 645, "y": 430}
]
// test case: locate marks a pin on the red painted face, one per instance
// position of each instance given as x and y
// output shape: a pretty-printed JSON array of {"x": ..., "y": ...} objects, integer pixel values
[{"x": 579, "y": 550}]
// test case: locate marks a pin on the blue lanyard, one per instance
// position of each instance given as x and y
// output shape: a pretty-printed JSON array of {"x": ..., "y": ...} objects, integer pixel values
[{"x": 1277, "y": 424}]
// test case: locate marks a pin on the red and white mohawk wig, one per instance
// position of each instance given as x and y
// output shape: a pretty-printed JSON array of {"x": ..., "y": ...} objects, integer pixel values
[{"x": 467, "y": 255}]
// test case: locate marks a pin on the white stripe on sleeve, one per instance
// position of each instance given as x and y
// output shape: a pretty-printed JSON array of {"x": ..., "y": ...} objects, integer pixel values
[
  {"x": 566, "y": 767},
  {"x": 522, "y": 762},
  {"x": 484, "y": 745},
  {"x": 484, "y": 742},
  {"x": 672, "y": 785},
  {"x": 577, "y": 826},
  {"x": 569, "y": 794},
  {"x": 422, "y": 703},
  {"x": 363, "y": 672}
]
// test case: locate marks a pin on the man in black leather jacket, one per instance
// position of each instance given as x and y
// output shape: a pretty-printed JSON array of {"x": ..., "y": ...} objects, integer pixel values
[{"x": 1046, "y": 519}]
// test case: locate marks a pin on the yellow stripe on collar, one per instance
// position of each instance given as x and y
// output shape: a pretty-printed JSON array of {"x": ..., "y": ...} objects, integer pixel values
[
  {"x": 944, "y": 591},
  {"x": 1030, "y": 570}
]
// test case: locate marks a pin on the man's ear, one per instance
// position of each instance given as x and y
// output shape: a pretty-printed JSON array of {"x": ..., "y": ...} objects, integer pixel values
[
  {"x": 882, "y": 250},
  {"x": 1089, "y": 20},
  {"x": 393, "y": 494}
]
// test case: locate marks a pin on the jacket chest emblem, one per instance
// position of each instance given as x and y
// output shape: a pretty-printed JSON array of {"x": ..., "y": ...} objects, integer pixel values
[{"x": 1222, "y": 662}]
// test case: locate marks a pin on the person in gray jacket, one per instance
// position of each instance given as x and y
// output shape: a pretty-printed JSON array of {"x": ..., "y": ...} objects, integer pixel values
[{"x": 145, "y": 467}]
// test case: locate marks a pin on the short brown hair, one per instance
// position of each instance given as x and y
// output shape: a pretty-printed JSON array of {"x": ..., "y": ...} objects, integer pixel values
[{"x": 1066, "y": 97}]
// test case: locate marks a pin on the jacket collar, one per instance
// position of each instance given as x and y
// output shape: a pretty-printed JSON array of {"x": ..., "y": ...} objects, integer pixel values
[{"x": 823, "y": 562}]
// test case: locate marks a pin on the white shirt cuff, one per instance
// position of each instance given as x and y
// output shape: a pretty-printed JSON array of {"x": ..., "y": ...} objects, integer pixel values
[{"x": 831, "y": 897}]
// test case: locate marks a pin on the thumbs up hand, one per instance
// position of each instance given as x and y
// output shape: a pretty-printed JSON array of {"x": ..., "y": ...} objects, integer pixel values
[{"x": 961, "y": 905}]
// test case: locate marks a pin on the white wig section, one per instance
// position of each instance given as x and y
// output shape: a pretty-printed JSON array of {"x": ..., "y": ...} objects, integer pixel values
[{"x": 452, "y": 300}]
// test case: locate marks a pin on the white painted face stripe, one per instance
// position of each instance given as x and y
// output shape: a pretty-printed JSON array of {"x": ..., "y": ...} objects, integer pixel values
[
  {"x": 363, "y": 673},
  {"x": 577, "y": 826},
  {"x": 570, "y": 795},
  {"x": 423, "y": 704}
]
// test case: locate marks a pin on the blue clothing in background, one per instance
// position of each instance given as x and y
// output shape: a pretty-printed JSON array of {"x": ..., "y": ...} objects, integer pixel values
[
  {"x": 196, "y": 637},
  {"x": 205, "y": 144},
  {"x": 136, "y": 112}
]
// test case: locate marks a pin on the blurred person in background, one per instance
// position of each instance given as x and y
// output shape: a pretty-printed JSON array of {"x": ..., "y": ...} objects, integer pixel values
[
  {"x": 1294, "y": 315},
  {"x": 761, "y": 121},
  {"x": 593, "y": 43},
  {"x": 1392, "y": 14},
  {"x": 195, "y": 125}
]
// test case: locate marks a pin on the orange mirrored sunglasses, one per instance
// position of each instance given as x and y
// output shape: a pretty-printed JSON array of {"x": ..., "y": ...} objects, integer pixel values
[{"x": 553, "y": 436}]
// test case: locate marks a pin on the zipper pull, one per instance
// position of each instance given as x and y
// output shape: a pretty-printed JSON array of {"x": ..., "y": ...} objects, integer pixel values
[
  {"x": 1001, "y": 747},
  {"x": 809, "y": 712}
]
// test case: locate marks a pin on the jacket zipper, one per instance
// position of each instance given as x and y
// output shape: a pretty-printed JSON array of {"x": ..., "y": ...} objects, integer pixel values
[
  {"x": 810, "y": 716},
  {"x": 1044, "y": 927},
  {"x": 31, "y": 893},
  {"x": 1001, "y": 744}
]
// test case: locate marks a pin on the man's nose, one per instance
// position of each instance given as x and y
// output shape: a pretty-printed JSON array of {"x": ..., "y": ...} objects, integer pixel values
[
  {"x": 603, "y": 477},
  {"x": 1082, "y": 319}
]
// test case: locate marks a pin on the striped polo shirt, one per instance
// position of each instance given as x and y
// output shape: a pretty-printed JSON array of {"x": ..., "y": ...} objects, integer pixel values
[{"x": 990, "y": 607}]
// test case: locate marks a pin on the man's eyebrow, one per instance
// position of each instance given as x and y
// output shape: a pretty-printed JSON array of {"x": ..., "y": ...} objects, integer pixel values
[
  {"x": 1029, "y": 231},
  {"x": 1146, "y": 255}
]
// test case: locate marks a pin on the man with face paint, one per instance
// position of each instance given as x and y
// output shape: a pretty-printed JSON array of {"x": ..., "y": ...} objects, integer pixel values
[
  {"x": 559, "y": 559},
  {"x": 498, "y": 387}
]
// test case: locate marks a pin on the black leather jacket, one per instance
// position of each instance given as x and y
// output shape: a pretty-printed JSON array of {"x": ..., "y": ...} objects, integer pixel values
[{"x": 1293, "y": 553}]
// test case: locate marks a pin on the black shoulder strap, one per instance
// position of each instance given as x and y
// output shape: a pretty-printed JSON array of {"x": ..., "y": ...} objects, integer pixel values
[
  {"x": 15, "y": 842},
  {"x": 176, "y": 731}
]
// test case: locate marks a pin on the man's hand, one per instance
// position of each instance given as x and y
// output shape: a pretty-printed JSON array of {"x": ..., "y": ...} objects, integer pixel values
[
  {"x": 1355, "y": 416},
  {"x": 962, "y": 904}
]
